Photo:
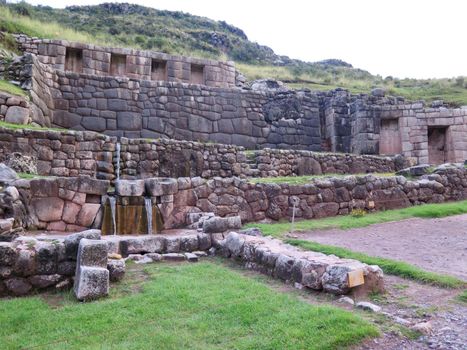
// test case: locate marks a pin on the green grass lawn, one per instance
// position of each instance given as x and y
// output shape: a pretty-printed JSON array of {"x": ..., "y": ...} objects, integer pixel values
[
  {"x": 302, "y": 180},
  {"x": 11, "y": 88},
  {"x": 184, "y": 306},
  {"x": 389, "y": 266},
  {"x": 345, "y": 222}
]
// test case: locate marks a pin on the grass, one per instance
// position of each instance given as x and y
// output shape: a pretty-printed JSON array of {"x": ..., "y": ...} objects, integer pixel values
[
  {"x": 301, "y": 180},
  {"x": 348, "y": 221},
  {"x": 29, "y": 127},
  {"x": 11, "y": 88},
  {"x": 14, "y": 23},
  {"x": 462, "y": 297},
  {"x": 389, "y": 266},
  {"x": 195, "y": 306}
]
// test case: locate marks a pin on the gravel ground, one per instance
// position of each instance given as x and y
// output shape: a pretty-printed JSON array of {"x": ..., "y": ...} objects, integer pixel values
[{"x": 438, "y": 245}]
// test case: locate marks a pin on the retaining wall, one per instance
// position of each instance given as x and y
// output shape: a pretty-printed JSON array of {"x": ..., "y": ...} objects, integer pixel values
[{"x": 73, "y": 153}]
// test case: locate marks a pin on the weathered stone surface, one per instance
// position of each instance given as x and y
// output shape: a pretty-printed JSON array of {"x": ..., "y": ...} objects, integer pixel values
[
  {"x": 191, "y": 257},
  {"x": 129, "y": 188},
  {"x": 91, "y": 283},
  {"x": 161, "y": 186},
  {"x": 218, "y": 224},
  {"x": 174, "y": 257},
  {"x": 365, "y": 305},
  {"x": 116, "y": 269},
  {"x": 142, "y": 245},
  {"x": 308, "y": 269},
  {"x": 7, "y": 174},
  {"x": 92, "y": 252},
  {"x": 18, "y": 286},
  {"x": 72, "y": 241},
  {"x": 44, "y": 281},
  {"x": 48, "y": 209},
  {"x": 17, "y": 115}
]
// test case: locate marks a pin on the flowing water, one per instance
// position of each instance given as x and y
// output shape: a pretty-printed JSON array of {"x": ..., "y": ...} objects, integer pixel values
[
  {"x": 118, "y": 161},
  {"x": 112, "y": 203},
  {"x": 148, "y": 206}
]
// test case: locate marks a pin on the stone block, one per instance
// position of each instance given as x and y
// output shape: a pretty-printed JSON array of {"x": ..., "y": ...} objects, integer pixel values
[
  {"x": 142, "y": 245},
  {"x": 92, "y": 252},
  {"x": 72, "y": 242},
  {"x": 87, "y": 214},
  {"x": 91, "y": 283},
  {"x": 218, "y": 224},
  {"x": 129, "y": 188},
  {"x": 48, "y": 209},
  {"x": 116, "y": 269},
  {"x": 17, "y": 115},
  {"x": 161, "y": 186}
]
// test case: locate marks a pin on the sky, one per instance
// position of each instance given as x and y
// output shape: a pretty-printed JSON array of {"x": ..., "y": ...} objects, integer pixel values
[{"x": 401, "y": 38}]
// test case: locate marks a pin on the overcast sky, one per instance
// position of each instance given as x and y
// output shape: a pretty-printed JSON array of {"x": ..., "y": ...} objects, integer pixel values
[{"x": 402, "y": 38}]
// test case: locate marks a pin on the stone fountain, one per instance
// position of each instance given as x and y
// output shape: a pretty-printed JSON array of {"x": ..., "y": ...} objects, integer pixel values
[{"x": 132, "y": 209}]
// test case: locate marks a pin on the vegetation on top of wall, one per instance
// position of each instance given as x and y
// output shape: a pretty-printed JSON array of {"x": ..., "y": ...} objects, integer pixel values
[
  {"x": 127, "y": 25},
  {"x": 348, "y": 221},
  {"x": 10, "y": 88},
  {"x": 302, "y": 180}
]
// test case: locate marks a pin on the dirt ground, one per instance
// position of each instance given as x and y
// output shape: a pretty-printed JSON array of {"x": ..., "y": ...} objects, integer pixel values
[{"x": 438, "y": 245}]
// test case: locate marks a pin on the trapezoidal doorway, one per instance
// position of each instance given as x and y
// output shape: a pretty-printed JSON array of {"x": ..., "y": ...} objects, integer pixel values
[
  {"x": 437, "y": 145},
  {"x": 390, "y": 137}
]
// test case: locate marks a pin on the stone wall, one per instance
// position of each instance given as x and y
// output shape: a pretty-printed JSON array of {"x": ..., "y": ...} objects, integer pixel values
[
  {"x": 273, "y": 162},
  {"x": 73, "y": 204},
  {"x": 137, "y": 64},
  {"x": 63, "y": 204},
  {"x": 62, "y": 152},
  {"x": 359, "y": 124},
  {"x": 73, "y": 153},
  {"x": 148, "y": 109},
  {"x": 14, "y": 109},
  {"x": 316, "y": 199}
]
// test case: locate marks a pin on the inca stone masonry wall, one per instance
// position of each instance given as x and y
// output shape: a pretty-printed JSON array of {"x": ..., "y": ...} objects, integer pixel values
[
  {"x": 75, "y": 203},
  {"x": 372, "y": 124},
  {"x": 319, "y": 198},
  {"x": 72, "y": 153},
  {"x": 337, "y": 121},
  {"x": 137, "y": 64}
]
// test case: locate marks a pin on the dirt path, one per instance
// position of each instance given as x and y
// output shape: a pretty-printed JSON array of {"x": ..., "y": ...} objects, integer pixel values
[{"x": 438, "y": 245}]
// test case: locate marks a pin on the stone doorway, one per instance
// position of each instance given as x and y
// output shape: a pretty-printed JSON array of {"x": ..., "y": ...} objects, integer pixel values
[
  {"x": 437, "y": 150},
  {"x": 390, "y": 137}
]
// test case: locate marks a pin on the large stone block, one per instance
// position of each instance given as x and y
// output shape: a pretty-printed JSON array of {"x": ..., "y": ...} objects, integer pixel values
[
  {"x": 92, "y": 252},
  {"x": 91, "y": 283},
  {"x": 48, "y": 209},
  {"x": 142, "y": 245},
  {"x": 129, "y": 188},
  {"x": 159, "y": 186},
  {"x": 17, "y": 115},
  {"x": 129, "y": 121},
  {"x": 87, "y": 214},
  {"x": 218, "y": 224},
  {"x": 72, "y": 242}
]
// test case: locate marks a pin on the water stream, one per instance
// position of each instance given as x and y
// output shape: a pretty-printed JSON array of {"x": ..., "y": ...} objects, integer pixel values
[
  {"x": 113, "y": 209},
  {"x": 118, "y": 161},
  {"x": 148, "y": 206}
]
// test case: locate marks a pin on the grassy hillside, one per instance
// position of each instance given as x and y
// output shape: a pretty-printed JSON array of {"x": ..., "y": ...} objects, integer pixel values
[{"x": 126, "y": 25}]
